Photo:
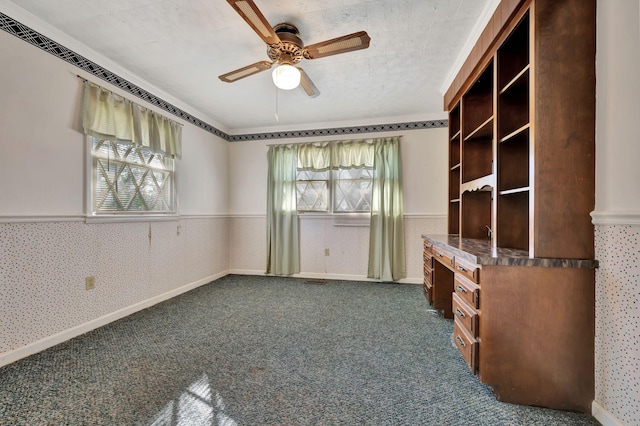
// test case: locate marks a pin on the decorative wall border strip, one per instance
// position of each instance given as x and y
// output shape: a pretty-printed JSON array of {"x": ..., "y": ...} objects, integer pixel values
[
  {"x": 42, "y": 42},
  {"x": 415, "y": 125}
]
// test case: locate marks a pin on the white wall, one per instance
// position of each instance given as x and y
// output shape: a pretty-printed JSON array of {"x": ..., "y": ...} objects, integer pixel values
[
  {"x": 41, "y": 166},
  {"x": 424, "y": 158},
  {"x": 47, "y": 249},
  {"x": 618, "y": 106},
  {"x": 617, "y": 214}
]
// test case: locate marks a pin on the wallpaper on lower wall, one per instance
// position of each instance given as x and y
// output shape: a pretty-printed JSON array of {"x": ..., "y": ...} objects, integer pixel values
[
  {"x": 617, "y": 351},
  {"x": 43, "y": 265},
  {"x": 43, "y": 268}
]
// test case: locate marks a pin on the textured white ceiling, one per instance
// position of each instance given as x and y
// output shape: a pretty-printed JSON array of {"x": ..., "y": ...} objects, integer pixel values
[{"x": 181, "y": 46}]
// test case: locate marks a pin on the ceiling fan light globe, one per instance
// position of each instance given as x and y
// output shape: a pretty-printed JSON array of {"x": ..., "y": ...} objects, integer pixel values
[{"x": 286, "y": 77}]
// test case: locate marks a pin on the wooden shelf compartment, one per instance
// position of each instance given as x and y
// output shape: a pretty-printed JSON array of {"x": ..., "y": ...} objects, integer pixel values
[
  {"x": 477, "y": 158},
  {"x": 477, "y": 103},
  {"x": 483, "y": 131},
  {"x": 513, "y": 106},
  {"x": 514, "y": 162},
  {"x": 513, "y": 220},
  {"x": 515, "y": 133},
  {"x": 454, "y": 217},
  {"x": 476, "y": 214},
  {"x": 454, "y": 183},
  {"x": 454, "y": 121},
  {"x": 516, "y": 81},
  {"x": 454, "y": 152},
  {"x": 513, "y": 55}
]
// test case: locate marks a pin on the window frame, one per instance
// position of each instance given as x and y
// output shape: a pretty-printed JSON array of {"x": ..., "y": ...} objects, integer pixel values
[{"x": 92, "y": 216}]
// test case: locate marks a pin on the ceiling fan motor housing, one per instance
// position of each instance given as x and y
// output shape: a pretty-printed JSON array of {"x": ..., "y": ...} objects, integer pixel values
[{"x": 289, "y": 50}]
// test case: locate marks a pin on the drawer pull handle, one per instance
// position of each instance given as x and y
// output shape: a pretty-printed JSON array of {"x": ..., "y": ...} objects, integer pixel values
[
  {"x": 461, "y": 268},
  {"x": 461, "y": 289},
  {"x": 439, "y": 254},
  {"x": 460, "y": 341},
  {"x": 460, "y": 313}
]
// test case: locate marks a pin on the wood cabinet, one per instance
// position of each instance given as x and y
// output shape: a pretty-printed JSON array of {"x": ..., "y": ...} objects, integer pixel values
[
  {"x": 518, "y": 265},
  {"x": 524, "y": 325},
  {"x": 522, "y": 132}
]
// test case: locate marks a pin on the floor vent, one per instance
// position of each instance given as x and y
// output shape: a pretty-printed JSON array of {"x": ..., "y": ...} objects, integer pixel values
[{"x": 315, "y": 281}]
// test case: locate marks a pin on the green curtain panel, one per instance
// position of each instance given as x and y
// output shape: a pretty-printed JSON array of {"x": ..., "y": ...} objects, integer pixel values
[
  {"x": 386, "y": 238},
  {"x": 106, "y": 115},
  {"x": 386, "y": 244},
  {"x": 282, "y": 216}
]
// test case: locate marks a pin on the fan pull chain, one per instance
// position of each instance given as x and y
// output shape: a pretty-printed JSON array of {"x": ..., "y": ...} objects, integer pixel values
[{"x": 276, "y": 114}]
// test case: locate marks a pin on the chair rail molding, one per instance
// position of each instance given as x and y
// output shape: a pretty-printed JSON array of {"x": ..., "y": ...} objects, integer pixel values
[{"x": 608, "y": 217}]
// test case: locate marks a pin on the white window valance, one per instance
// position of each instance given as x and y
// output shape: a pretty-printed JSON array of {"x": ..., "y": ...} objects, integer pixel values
[
  {"x": 322, "y": 156},
  {"x": 109, "y": 116}
]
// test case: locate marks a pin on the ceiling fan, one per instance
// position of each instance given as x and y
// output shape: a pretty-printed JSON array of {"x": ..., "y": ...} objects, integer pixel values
[{"x": 286, "y": 49}]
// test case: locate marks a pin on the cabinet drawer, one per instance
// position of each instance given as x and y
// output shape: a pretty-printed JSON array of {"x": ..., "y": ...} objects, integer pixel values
[
  {"x": 427, "y": 259},
  {"x": 443, "y": 257},
  {"x": 426, "y": 290},
  {"x": 468, "y": 269},
  {"x": 428, "y": 276},
  {"x": 466, "y": 314},
  {"x": 466, "y": 344},
  {"x": 467, "y": 290}
]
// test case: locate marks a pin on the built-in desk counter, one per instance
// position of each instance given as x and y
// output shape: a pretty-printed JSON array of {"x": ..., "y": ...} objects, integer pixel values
[
  {"x": 524, "y": 325},
  {"x": 481, "y": 252}
]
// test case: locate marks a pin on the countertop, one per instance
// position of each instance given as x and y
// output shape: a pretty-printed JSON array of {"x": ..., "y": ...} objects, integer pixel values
[{"x": 481, "y": 252}]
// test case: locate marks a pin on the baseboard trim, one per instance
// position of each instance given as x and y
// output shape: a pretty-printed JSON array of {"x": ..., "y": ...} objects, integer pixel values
[
  {"x": 312, "y": 275},
  {"x": 50, "y": 341},
  {"x": 603, "y": 416}
]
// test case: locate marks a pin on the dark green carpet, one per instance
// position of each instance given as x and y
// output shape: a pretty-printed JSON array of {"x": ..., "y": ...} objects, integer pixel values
[{"x": 264, "y": 351}]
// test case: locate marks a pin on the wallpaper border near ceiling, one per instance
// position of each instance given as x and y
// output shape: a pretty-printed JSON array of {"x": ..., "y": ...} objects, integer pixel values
[
  {"x": 42, "y": 42},
  {"x": 341, "y": 130}
]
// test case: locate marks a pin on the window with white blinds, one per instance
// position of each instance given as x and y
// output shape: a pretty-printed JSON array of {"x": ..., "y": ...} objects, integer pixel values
[{"x": 129, "y": 179}]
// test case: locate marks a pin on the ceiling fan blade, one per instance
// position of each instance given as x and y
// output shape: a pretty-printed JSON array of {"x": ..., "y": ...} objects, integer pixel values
[
  {"x": 243, "y": 72},
  {"x": 307, "y": 84},
  {"x": 347, "y": 43},
  {"x": 256, "y": 20}
]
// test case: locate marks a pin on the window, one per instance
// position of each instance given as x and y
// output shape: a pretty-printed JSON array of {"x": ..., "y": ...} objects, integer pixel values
[
  {"x": 312, "y": 190},
  {"x": 130, "y": 179},
  {"x": 337, "y": 191},
  {"x": 352, "y": 190}
]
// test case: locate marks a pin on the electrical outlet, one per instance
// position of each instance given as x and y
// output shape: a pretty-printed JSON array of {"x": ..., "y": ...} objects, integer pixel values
[
  {"x": 90, "y": 282},
  {"x": 326, "y": 252}
]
